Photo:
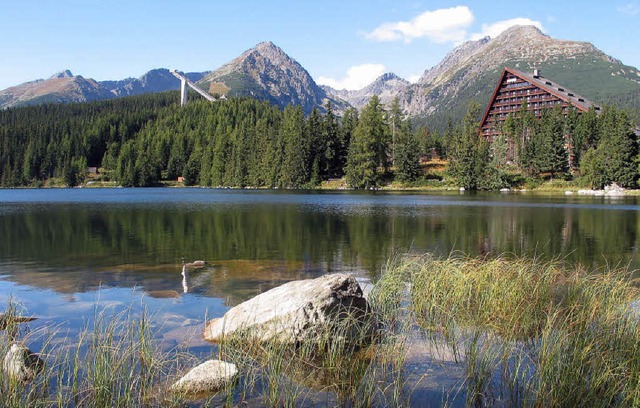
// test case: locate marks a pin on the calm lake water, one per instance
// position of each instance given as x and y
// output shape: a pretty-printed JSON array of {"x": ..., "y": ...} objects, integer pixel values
[{"x": 62, "y": 252}]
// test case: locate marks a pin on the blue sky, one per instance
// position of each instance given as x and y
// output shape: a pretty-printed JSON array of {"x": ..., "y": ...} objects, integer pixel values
[{"x": 342, "y": 43}]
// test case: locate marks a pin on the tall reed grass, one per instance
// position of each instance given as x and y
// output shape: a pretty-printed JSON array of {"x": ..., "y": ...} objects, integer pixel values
[
  {"x": 112, "y": 362},
  {"x": 531, "y": 333}
]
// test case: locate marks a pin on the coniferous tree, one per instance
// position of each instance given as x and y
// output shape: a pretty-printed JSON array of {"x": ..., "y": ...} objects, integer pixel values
[
  {"x": 348, "y": 126},
  {"x": 500, "y": 148},
  {"x": 407, "y": 153},
  {"x": 613, "y": 160},
  {"x": 586, "y": 133},
  {"x": 469, "y": 152},
  {"x": 219, "y": 159},
  {"x": 333, "y": 150},
  {"x": 395, "y": 121},
  {"x": 192, "y": 169},
  {"x": 593, "y": 168},
  {"x": 317, "y": 148},
  {"x": 619, "y": 148},
  {"x": 125, "y": 170},
  {"x": 365, "y": 152},
  {"x": 551, "y": 152},
  {"x": 295, "y": 163}
]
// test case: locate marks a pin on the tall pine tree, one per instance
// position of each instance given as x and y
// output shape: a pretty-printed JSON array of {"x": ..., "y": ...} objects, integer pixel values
[{"x": 366, "y": 148}]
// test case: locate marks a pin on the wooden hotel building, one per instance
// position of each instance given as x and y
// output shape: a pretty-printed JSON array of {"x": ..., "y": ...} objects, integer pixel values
[{"x": 517, "y": 90}]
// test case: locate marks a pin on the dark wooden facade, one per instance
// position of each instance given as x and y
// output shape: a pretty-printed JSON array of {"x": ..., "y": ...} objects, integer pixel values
[{"x": 517, "y": 90}]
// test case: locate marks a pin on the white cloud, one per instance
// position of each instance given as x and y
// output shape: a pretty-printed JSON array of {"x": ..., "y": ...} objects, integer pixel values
[
  {"x": 493, "y": 30},
  {"x": 358, "y": 76},
  {"x": 629, "y": 9},
  {"x": 440, "y": 26},
  {"x": 414, "y": 78}
]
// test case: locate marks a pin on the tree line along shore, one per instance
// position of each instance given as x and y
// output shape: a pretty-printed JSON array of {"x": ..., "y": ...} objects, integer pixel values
[{"x": 149, "y": 140}]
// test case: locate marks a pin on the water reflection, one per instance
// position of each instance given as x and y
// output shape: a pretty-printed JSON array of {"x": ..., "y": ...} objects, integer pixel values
[
  {"x": 66, "y": 253},
  {"x": 262, "y": 239}
]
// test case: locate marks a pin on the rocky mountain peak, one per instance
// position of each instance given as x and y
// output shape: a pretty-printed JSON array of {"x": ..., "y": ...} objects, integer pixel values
[
  {"x": 387, "y": 86},
  {"x": 457, "y": 56},
  {"x": 388, "y": 76},
  {"x": 62, "y": 74},
  {"x": 267, "y": 72},
  {"x": 268, "y": 46},
  {"x": 274, "y": 54},
  {"x": 523, "y": 31}
]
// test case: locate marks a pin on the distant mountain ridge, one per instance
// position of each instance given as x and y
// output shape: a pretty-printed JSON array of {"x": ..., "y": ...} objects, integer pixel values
[
  {"x": 264, "y": 72},
  {"x": 156, "y": 80},
  {"x": 387, "y": 87},
  {"x": 468, "y": 72},
  {"x": 64, "y": 87}
]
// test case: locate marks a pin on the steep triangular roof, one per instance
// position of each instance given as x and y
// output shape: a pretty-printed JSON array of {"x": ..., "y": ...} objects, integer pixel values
[{"x": 545, "y": 84}]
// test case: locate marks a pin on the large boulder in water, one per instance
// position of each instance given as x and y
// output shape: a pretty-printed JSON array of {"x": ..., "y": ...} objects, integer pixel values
[{"x": 298, "y": 311}]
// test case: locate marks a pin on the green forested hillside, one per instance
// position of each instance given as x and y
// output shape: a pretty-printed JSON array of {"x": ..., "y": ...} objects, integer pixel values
[
  {"x": 141, "y": 140},
  {"x": 61, "y": 140}
]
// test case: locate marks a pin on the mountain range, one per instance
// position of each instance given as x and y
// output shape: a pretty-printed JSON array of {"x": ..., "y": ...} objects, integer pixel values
[
  {"x": 64, "y": 87},
  {"x": 468, "y": 72}
]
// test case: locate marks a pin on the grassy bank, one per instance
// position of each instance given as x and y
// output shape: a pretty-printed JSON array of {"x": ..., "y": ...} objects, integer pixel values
[
  {"x": 530, "y": 333},
  {"x": 520, "y": 332}
]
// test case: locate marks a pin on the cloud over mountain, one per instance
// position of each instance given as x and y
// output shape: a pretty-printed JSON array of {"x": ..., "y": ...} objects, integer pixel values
[
  {"x": 440, "y": 26},
  {"x": 358, "y": 76},
  {"x": 497, "y": 28},
  {"x": 443, "y": 26}
]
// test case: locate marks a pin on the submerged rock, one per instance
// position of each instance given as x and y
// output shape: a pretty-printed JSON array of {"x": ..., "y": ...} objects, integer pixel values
[
  {"x": 21, "y": 364},
  {"x": 298, "y": 311},
  {"x": 208, "y": 377}
]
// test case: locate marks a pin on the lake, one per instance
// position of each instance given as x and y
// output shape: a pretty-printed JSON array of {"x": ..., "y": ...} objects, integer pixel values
[{"x": 64, "y": 251}]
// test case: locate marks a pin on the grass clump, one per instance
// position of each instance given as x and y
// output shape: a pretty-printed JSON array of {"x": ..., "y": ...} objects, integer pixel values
[
  {"x": 349, "y": 362},
  {"x": 531, "y": 333},
  {"x": 113, "y": 362}
]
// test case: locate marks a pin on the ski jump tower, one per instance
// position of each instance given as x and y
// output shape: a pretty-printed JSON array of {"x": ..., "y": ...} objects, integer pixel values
[{"x": 184, "y": 82}]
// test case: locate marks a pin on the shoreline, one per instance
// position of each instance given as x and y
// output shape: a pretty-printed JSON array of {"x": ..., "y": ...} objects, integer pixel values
[{"x": 543, "y": 189}]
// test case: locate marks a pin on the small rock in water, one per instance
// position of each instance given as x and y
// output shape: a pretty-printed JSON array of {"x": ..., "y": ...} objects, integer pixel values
[
  {"x": 21, "y": 364},
  {"x": 209, "y": 376},
  {"x": 196, "y": 264}
]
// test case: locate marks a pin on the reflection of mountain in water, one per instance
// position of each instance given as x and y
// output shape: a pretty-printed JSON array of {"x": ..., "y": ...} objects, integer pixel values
[{"x": 78, "y": 247}]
